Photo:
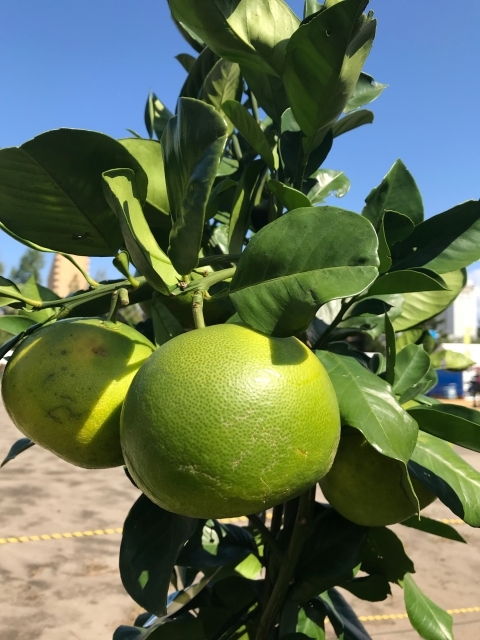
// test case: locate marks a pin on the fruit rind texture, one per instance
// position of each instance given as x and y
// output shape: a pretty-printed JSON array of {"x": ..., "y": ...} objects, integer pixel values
[
  {"x": 65, "y": 384},
  {"x": 225, "y": 421}
]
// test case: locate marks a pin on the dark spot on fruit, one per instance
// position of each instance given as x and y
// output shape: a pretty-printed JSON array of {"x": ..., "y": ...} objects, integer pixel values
[
  {"x": 100, "y": 351},
  {"x": 63, "y": 352}
]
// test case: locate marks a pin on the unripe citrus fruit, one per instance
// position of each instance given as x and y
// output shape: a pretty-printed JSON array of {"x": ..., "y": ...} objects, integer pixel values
[
  {"x": 65, "y": 384},
  {"x": 367, "y": 487},
  {"x": 225, "y": 421}
]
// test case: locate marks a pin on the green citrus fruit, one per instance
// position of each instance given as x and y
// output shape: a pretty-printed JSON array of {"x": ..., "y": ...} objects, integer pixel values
[
  {"x": 367, "y": 487},
  {"x": 225, "y": 421},
  {"x": 65, "y": 384}
]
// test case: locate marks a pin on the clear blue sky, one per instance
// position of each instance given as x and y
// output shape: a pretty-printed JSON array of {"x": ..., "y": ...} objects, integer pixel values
[{"x": 91, "y": 64}]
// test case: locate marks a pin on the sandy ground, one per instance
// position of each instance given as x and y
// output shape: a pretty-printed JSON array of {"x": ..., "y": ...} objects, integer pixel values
[{"x": 70, "y": 589}]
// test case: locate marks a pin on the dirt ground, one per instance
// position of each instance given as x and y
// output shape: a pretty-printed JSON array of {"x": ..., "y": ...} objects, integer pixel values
[{"x": 70, "y": 589}]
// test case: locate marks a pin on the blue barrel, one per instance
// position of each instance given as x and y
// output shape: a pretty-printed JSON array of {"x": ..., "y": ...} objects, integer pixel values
[{"x": 446, "y": 380}]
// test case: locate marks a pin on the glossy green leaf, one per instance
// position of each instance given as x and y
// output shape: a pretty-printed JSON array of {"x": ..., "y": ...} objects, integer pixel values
[
  {"x": 445, "y": 242},
  {"x": 398, "y": 226},
  {"x": 165, "y": 324},
  {"x": 156, "y": 116},
  {"x": 193, "y": 40},
  {"x": 448, "y": 476},
  {"x": 322, "y": 65},
  {"x": 186, "y": 60},
  {"x": 366, "y": 91},
  {"x": 411, "y": 366},
  {"x": 215, "y": 544},
  {"x": 288, "y": 196},
  {"x": 148, "y": 154},
  {"x": 397, "y": 192},
  {"x": 451, "y": 360},
  {"x": 14, "y": 324},
  {"x": 250, "y": 130},
  {"x": 352, "y": 121},
  {"x": 409, "y": 281},
  {"x": 421, "y": 306},
  {"x": 224, "y": 82},
  {"x": 181, "y": 628},
  {"x": 390, "y": 351},
  {"x": 428, "y": 619},
  {"x": 328, "y": 182},
  {"x": 412, "y": 336},
  {"x": 374, "y": 588},
  {"x": 321, "y": 566},
  {"x": 59, "y": 172},
  {"x": 435, "y": 527},
  {"x": 310, "y": 623},
  {"x": 146, "y": 255},
  {"x": 251, "y": 32},
  {"x": 286, "y": 273},
  {"x": 367, "y": 403},
  {"x": 246, "y": 196},
  {"x": 457, "y": 424},
  {"x": 35, "y": 291},
  {"x": 192, "y": 145},
  {"x": 152, "y": 539},
  {"x": 227, "y": 167},
  {"x": 16, "y": 449},
  {"x": 384, "y": 555},
  {"x": 193, "y": 85},
  {"x": 310, "y": 7},
  {"x": 344, "y": 620},
  {"x": 292, "y": 154}
]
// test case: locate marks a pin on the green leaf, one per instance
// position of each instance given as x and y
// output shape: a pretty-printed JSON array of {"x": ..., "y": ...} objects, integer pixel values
[
  {"x": 457, "y": 424},
  {"x": 367, "y": 403},
  {"x": 445, "y": 242},
  {"x": 398, "y": 226},
  {"x": 344, "y": 620},
  {"x": 310, "y": 7},
  {"x": 146, "y": 255},
  {"x": 411, "y": 336},
  {"x": 156, "y": 116},
  {"x": 250, "y": 130},
  {"x": 16, "y": 449},
  {"x": 192, "y": 144},
  {"x": 409, "y": 281},
  {"x": 247, "y": 195},
  {"x": 285, "y": 274},
  {"x": 165, "y": 324},
  {"x": 148, "y": 154},
  {"x": 253, "y": 33},
  {"x": 216, "y": 545},
  {"x": 352, "y": 121},
  {"x": 384, "y": 555},
  {"x": 448, "y": 476},
  {"x": 421, "y": 306},
  {"x": 268, "y": 90},
  {"x": 324, "y": 59},
  {"x": 223, "y": 83},
  {"x": 328, "y": 183},
  {"x": 59, "y": 173},
  {"x": 152, "y": 539},
  {"x": 451, "y": 360},
  {"x": 330, "y": 557},
  {"x": 435, "y": 527},
  {"x": 390, "y": 351},
  {"x": 14, "y": 324},
  {"x": 292, "y": 154},
  {"x": 227, "y": 167},
  {"x": 186, "y": 60},
  {"x": 193, "y": 85},
  {"x": 366, "y": 91},
  {"x": 427, "y": 618},
  {"x": 35, "y": 291},
  {"x": 310, "y": 623},
  {"x": 289, "y": 197},
  {"x": 412, "y": 365},
  {"x": 374, "y": 588},
  {"x": 397, "y": 192},
  {"x": 181, "y": 628}
]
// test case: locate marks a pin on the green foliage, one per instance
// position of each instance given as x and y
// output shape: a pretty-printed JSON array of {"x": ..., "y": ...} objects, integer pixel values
[
  {"x": 31, "y": 263},
  {"x": 219, "y": 216}
]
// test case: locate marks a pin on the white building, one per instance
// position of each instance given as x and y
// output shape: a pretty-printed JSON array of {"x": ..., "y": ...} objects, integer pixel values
[{"x": 460, "y": 319}]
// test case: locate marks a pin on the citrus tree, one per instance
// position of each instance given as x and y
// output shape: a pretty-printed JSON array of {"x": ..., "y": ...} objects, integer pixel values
[{"x": 283, "y": 345}]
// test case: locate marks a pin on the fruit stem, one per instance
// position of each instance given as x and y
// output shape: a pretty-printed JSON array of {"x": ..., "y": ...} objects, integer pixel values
[
  {"x": 205, "y": 283},
  {"x": 287, "y": 569},
  {"x": 267, "y": 536},
  {"x": 197, "y": 310},
  {"x": 336, "y": 321}
]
